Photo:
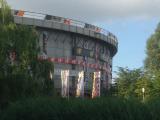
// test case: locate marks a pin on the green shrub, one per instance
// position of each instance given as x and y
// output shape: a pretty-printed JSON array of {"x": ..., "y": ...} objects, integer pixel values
[
  {"x": 76, "y": 109},
  {"x": 154, "y": 108},
  {"x": 0, "y": 113}
]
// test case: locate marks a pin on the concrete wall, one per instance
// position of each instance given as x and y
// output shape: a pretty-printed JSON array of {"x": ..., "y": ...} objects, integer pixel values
[{"x": 61, "y": 39}]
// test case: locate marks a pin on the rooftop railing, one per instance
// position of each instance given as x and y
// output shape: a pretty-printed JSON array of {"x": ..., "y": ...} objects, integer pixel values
[{"x": 67, "y": 21}]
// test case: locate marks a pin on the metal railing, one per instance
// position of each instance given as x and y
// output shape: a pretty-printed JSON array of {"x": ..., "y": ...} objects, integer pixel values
[{"x": 67, "y": 21}]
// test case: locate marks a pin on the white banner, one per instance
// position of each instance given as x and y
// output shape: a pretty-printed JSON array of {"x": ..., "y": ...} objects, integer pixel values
[
  {"x": 96, "y": 85},
  {"x": 80, "y": 85},
  {"x": 65, "y": 83}
]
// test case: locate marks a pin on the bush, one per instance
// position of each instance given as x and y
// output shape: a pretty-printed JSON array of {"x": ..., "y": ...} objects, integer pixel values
[
  {"x": 76, "y": 109},
  {"x": 0, "y": 113},
  {"x": 154, "y": 107}
]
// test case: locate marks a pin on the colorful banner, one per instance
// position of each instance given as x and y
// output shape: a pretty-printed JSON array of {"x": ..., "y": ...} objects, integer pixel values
[
  {"x": 67, "y": 21},
  {"x": 96, "y": 85},
  {"x": 80, "y": 85},
  {"x": 73, "y": 61},
  {"x": 20, "y": 13},
  {"x": 65, "y": 83}
]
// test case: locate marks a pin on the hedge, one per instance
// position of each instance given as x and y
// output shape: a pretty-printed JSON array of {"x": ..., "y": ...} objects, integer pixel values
[{"x": 77, "y": 109}]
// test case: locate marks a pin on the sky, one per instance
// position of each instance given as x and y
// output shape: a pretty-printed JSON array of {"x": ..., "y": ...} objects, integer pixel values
[{"x": 132, "y": 21}]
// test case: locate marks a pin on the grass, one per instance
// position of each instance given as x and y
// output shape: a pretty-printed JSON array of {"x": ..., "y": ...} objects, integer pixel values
[{"x": 48, "y": 108}]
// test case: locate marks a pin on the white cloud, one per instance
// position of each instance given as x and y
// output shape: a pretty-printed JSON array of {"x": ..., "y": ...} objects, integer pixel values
[{"x": 92, "y": 10}]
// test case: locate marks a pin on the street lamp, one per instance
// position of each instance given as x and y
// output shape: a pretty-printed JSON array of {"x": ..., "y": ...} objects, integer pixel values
[
  {"x": 50, "y": 75},
  {"x": 143, "y": 91}
]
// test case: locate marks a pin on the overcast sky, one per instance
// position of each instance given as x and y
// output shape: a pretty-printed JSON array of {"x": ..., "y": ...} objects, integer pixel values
[
  {"x": 92, "y": 10},
  {"x": 132, "y": 21}
]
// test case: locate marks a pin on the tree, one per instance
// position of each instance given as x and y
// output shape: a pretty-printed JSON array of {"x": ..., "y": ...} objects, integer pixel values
[
  {"x": 156, "y": 84},
  {"x": 5, "y": 13},
  {"x": 21, "y": 73},
  {"x": 152, "y": 61},
  {"x": 126, "y": 81},
  {"x": 143, "y": 82}
]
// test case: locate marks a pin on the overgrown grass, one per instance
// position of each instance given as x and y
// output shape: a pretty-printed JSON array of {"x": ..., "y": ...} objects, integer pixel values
[
  {"x": 154, "y": 108},
  {"x": 81, "y": 109}
]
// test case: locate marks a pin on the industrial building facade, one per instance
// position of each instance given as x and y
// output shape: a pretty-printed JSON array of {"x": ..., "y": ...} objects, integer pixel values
[{"x": 73, "y": 45}]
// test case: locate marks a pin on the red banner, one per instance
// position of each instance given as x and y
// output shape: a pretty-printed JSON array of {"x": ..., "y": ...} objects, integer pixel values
[
  {"x": 67, "y": 21},
  {"x": 75, "y": 62}
]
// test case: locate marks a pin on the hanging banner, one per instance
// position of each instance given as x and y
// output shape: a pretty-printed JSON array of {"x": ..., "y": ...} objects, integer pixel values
[
  {"x": 65, "y": 83},
  {"x": 45, "y": 40},
  {"x": 80, "y": 85},
  {"x": 96, "y": 85},
  {"x": 73, "y": 61}
]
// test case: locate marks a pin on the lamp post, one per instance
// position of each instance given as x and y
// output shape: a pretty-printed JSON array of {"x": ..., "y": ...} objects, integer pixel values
[
  {"x": 143, "y": 91},
  {"x": 50, "y": 75}
]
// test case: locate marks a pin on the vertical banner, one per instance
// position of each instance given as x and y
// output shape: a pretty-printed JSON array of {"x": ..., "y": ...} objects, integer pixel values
[
  {"x": 65, "y": 83},
  {"x": 96, "y": 85},
  {"x": 80, "y": 85},
  {"x": 108, "y": 75},
  {"x": 45, "y": 40},
  {"x": 96, "y": 53}
]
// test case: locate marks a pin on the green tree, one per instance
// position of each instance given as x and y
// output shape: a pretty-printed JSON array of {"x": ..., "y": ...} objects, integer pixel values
[
  {"x": 5, "y": 13},
  {"x": 152, "y": 62},
  {"x": 143, "y": 82},
  {"x": 156, "y": 84},
  {"x": 126, "y": 81},
  {"x": 21, "y": 73}
]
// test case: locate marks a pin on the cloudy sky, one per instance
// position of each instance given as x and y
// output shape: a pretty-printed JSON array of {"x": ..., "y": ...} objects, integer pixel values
[
  {"x": 132, "y": 21},
  {"x": 92, "y": 10}
]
